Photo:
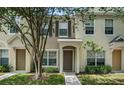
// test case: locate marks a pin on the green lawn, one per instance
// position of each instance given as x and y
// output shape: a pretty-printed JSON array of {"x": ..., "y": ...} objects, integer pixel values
[
  {"x": 28, "y": 79},
  {"x": 101, "y": 79}
]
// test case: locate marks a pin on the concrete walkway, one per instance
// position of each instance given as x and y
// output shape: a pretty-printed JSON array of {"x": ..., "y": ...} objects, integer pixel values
[
  {"x": 6, "y": 75},
  {"x": 71, "y": 79}
]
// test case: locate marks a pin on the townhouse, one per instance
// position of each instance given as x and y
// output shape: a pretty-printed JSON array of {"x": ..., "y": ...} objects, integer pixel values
[{"x": 63, "y": 48}]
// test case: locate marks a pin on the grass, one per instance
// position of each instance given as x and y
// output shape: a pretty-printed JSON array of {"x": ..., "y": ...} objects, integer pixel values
[
  {"x": 28, "y": 79},
  {"x": 101, "y": 79}
]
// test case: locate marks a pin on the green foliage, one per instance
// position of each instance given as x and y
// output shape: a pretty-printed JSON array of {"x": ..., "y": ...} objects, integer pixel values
[
  {"x": 91, "y": 45},
  {"x": 90, "y": 69},
  {"x": 0, "y": 68},
  {"x": 56, "y": 79},
  {"x": 5, "y": 68},
  {"x": 27, "y": 79},
  {"x": 108, "y": 68},
  {"x": 98, "y": 69},
  {"x": 87, "y": 80},
  {"x": 51, "y": 70},
  {"x": 102, "y": 79}
]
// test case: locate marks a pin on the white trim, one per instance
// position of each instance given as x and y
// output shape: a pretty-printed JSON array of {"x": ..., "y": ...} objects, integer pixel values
[
  {"x": 20, "y": 48},
  {"x": 49, "y": 66},
  {"x": 73, "y": 59},
  {"x": 70, "y": 40},
  {"x": 4, "y": 48},
  {"x": 113, "y": 27},
  {"x": 67, "y": 49},
  {"x": 62, "y": 28},
  {"x": 93, "y": 29},
  {"x": 63, "y": 36},
  {"x": 96, "y": 56},
  {"x": 120, "y": 37},
  {"x": 11, "y": 33},
  {"x": 52, "y": 49},
  {"x": 48, "y": 57},
  {"x": 8, "y": 54}
]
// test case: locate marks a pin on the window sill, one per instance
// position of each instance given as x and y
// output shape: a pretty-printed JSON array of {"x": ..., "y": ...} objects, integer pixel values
[
  {"x": 90, "y": 35},
  {"x": 50, "y": 66},
  {"x": 63, "y": 37},
  {"x": 12, "y": 33}
]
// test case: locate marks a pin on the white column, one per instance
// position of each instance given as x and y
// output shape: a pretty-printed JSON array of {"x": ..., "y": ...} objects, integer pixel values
[
  {"x": 110, "y": 58},
  {"x": 77, "y": 60},
  {"x": 122, "y": 60},
  {"x": 12, "y": 58},
  {"x": 61, "y": 60},
  {"x": 28, "y": 62}
]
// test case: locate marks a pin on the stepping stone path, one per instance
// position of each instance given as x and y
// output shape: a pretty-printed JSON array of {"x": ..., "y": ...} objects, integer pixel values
[{"x": 71, "y": 79}]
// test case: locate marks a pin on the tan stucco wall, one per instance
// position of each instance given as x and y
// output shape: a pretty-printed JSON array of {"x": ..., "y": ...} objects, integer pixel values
[{"x": 99, "y": 37}]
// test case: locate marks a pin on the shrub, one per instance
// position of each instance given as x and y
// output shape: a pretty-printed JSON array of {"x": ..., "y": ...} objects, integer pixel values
[
  {"x": 51, "y": 70},
  {"x": 90, "y": 69},
  {"x": 28, "y": 79},
  {"x": 108, "y": 68},
  {"x": 5, "y": 68},
  {"x": 98, "y": 69},
  {"x": 87, "y": 80},
  {"x": 55, "y": 79},
  {"x": 0, "y": 68}
]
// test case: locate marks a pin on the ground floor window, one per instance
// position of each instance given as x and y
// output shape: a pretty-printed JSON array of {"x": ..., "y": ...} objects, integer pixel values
[
  {"x": 50, "y": 58},
  {"x": 4, "y": 56},
  {"x": 95, "y": 59}
]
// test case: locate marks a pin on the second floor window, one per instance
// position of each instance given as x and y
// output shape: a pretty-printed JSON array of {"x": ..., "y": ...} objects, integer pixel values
[
  {"x": 13, "y": 29},
  {"x": 108, "y": 26},
  {"x": 89, "y": 27},
  {"x": 44, "y": 30},
  {"x": 63, "y": 29}
]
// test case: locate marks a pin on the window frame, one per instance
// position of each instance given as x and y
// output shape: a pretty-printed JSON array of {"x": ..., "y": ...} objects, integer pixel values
[
  {"x": 17, "y": 19},
  {"x": 7, "y": 56},
  {"x": 89, "y": 27},
  {"x": 88, "y": 57},
  {"x": 96, "y": 57},
  {"x": 45, "y": 28},
  {"x": 56, "y": 50},
  {"x": 12, "y": 28},
  {"x": 108, "y": 27},
  {"x": 63, "y": 28}
]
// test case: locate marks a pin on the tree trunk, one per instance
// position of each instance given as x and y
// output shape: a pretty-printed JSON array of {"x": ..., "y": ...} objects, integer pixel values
[{"x": 38, "y": 68}]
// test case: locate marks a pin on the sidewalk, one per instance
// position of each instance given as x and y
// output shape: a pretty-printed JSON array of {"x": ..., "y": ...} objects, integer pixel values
[
  {"x": 6, "y": 75},
  {"x": 71, "y": 79}
]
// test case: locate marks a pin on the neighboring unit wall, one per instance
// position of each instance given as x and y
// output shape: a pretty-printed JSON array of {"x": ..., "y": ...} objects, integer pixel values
[{"x": 99, "y": 36}]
